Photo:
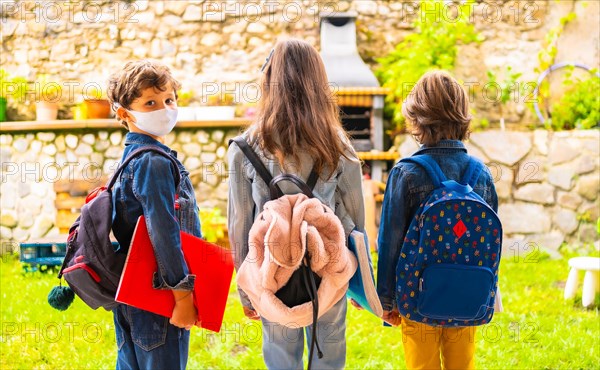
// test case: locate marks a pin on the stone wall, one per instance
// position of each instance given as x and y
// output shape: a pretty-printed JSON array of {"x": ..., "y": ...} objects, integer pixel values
[
  {"x": 550, "y": 179},
  {"x": 208, "y": 42},
  {"x": 547, "y": 182},
  {"x": 32, "y": 163}
]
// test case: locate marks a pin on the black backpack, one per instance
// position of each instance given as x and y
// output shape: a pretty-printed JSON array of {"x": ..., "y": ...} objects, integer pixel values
[
  {"x": 91, "y": 266},
  {"x": 304, "y": 283}
]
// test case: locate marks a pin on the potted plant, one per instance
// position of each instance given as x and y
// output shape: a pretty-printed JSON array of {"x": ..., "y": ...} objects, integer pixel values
[
  {"x": 578, "y": 108},
  {"x": 219, "y": 107},
  {"x": 186, "y": 113},
  {"x": 79, "y": 111},
  {"x": 95, "y": 103},
  {"x": 13, "y": 87},
  {"x": 46, "y": 107}
]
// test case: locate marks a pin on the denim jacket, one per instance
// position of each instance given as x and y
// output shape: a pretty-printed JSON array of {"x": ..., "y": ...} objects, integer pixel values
[
  {"x": 407, "y": 186},
  {"x": 147, "y": 187},
  {"x": 248, "y": 193}
]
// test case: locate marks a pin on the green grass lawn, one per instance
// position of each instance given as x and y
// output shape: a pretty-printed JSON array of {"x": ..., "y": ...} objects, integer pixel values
[{"x": 538, "y": 330}]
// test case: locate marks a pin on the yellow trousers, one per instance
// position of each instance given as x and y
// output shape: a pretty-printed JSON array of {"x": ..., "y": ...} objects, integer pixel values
[{"x": 428, "y": 347}]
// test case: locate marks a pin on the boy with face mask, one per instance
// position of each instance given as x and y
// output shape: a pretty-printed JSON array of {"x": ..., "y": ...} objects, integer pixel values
[{"x": 144, "y": 97}]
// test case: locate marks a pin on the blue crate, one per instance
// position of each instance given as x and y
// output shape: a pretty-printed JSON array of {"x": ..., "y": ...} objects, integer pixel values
[
  {"x": 42, "y": 253},
  {"x": 46, "y": 253}
]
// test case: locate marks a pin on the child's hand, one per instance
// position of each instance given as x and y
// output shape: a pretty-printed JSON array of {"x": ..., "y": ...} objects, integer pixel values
[
  {"x": 251, "y": 314},
  {"x": 355, "y": 304},
  {"x": 184, "y": 314},
  {"x": 392, "y": 317}
]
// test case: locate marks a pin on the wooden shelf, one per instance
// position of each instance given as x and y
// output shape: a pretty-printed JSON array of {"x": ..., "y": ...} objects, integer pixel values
[
  {"x": 378, "y": 156},
  {"x": 109, "y": 123}
]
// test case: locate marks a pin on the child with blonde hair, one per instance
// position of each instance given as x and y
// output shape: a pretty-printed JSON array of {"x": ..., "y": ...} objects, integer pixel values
[{"x": 438, "y": 111}]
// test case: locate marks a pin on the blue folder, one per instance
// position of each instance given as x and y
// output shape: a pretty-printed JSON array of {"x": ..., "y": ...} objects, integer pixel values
[{"x": 362, "y": 285}]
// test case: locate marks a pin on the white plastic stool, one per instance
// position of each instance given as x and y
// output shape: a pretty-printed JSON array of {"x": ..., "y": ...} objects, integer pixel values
[{"x": 591, "y": 266}]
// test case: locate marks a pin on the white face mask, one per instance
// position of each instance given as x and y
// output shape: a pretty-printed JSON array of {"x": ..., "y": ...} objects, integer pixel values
[{"x": 158, "y": 123}]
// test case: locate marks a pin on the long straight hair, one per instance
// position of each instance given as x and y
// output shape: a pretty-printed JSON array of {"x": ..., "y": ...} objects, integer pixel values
[{"x": 297, "y": 111}]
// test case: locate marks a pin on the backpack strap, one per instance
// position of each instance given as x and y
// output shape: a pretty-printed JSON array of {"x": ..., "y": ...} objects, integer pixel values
[
  {"x": 312, "y": 179},
  {"x": 306, "y": 190},
  {"x": 136, "y": 153},
  {"x": 254, "y": 159},
  {"x": 473, "y": 172},
  {"x": 311, "y": 287},
  {"x": 431, "y": 167},
  {"x": 264, "y": 173}
]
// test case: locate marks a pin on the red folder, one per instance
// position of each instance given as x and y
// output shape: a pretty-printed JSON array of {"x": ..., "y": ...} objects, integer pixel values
[{"x": 212, "y": 265}]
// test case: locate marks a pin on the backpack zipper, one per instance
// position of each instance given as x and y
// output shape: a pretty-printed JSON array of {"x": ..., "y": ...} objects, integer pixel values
[{"x": 84, "y": 266}]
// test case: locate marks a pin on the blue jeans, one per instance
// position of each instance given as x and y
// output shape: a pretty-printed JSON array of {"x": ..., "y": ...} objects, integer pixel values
[
  {"x": 147, "y": 341},
  {"x": 283, "y": 347}
]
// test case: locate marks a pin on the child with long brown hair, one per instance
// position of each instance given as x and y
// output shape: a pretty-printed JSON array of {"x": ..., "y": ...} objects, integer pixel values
[{"x": 297, "y": 129}]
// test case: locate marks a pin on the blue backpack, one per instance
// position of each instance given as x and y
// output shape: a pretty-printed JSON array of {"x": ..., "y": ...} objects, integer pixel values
[{"x": 447, "y": 273}]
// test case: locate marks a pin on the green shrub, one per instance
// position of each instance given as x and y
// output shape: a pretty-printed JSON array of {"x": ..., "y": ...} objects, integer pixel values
[
  {"x": 578, "y": 108},
  {"x": 547, "y": 58},
  {"x": 432, "y": 46},
  {"x": 213, "y": 224}
]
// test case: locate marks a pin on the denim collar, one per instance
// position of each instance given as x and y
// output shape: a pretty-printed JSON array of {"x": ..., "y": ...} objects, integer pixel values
[
  {"x": 445, "y": 145},
  {"x": 142, "y": 139}
]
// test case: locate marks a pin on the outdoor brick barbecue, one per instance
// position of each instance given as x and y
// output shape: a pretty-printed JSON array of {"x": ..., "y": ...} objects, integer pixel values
[{"x": 359, "y": 94}]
